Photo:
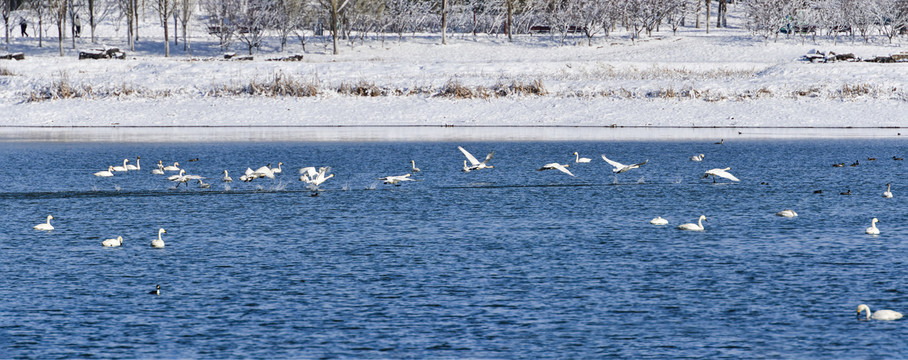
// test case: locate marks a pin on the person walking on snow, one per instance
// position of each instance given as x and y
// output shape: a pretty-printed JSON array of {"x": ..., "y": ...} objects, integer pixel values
[{"x": 23, "y": 26}]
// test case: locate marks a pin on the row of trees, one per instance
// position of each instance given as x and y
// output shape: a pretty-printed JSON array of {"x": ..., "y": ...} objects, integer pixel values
[
  {"x": 248, "y": 21},
  {"x": 828, "y": 17}
]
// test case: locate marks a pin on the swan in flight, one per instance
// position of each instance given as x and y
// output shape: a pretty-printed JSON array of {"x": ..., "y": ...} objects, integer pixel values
[
  {"x": 658, "y": 220},
  {"x": 121, "y": 168},
  {"x": 177, "y": 176},
  {"x": 137, "y": 166},
  {"x": 466, "y": 168},
  {"x": 697, "y": 157},
  {"x": 888, "y": 193},
  {"x": 45, "y": 226},
  {"x": 159, "y": 243},
  {"x": 578, "y": 159},
  {"x": 226, "y": 177},
  {"x": 174, "y": 167},
  {"x": 556, "y": 166},
  {"x": 879, "y": 314},
  {"x": 105, "y": 173},
  {"x": 413, "y": 166},
  {"x": 694, "y": 227},
  {"x": 787, "y": 213},
  {"x": 182, "y": 178},
  {"x": 395, "y": 180},
  {"x": 475, "y": 164},
  {"x": 113, "y": 242},
  {"x": 719, "y": 173},
  {"x": 264, "y": 171},
  {"x": 873, "y": 230},
  {"x": 318, "y": 178},
  {"x": 619, "y": 167}
]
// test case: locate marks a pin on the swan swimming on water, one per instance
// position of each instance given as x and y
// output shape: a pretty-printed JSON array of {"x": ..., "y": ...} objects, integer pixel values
[
  {"x": 45, "y": 226},
  {"x": 159, "y": 243},
  {"x": 723, "y": 173},
  {"x": 620, "y": 168},
  {"x": 137, "y": 166},
  {"x": 121, "y": 168},
  {"x": 697, "y": 157},
  {"x": 873, "y": 230},
  {"x": 787, "y": 213},
  {"x": 556, "y": 166},
  {"x": 174, "y": 167},
  {"x": 694, "y": 227},
  {"x": 226, "y": 177},
  {"x": 113, "y": 242},
  {"x": 578, "y": 159},
  {"x": 413, "y": 166},
  {"x": 105, "y": 173},
  {"x": 888, "y": 193},
  {"x": 476, "y": 165},
  {"x": 658, "y": 220},
  {"x": 885, "y": 315}
]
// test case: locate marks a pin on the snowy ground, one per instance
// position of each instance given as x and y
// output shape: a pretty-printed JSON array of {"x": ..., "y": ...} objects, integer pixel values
[{"x": 727, "y": 79}]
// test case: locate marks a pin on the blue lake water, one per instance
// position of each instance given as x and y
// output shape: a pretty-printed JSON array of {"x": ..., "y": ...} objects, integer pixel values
[{"x": 506, "y": 262}]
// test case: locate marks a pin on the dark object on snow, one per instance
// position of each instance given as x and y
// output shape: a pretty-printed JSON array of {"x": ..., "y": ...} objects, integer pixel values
[
  {"x": 107, "y": 53},
  {"x": 13, "y": 56},
  {"x": 882, "y": 59},
  {"x": 297, "y": 57},
  {"x": 233, "y": 56}
]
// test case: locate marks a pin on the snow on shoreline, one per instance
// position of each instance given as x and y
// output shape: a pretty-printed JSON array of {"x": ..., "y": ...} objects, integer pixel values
[{"x": 726, "y": 80}]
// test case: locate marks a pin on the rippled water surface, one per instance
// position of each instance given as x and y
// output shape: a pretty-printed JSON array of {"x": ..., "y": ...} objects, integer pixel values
[{"x": 506, "y": 262}]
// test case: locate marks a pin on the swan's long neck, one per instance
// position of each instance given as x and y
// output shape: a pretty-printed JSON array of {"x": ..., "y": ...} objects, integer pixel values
[
  {"x": 48, "y": 219},
  {"x": 700, "y": 223},
  {"x": 125, "y": 161},
  {"x": 138, "y": 166},
  {"x": 159, "y": 234},
  {"x": 576, "y": 157}
]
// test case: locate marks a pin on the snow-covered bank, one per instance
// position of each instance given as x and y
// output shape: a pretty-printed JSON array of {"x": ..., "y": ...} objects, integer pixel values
[{"x": 727, "y": 79}]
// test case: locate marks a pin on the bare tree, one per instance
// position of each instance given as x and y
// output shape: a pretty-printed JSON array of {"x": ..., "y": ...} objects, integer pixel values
[
  {"x": 165, "y": 9},
  {"x": 184, "y": 12}
]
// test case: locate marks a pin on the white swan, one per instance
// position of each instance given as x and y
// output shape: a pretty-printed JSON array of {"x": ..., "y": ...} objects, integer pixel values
[
  {"x": 413, "y": 166},
  {"x": 159, "y": 170},
  {"x": 394, "y": 180},
  {"x": 121, "y": 168},
  {"x": 174, "y": 167},
  {"x": 113, "y": 242},
  {"x": 694, "y": 227},
  {"x": 619, "y": 167},
  {"x": 578, "y": 159},
  {"x": 873, "y": 230},
  {"x": 885, "y": 315},
  {"x": 787, "y": 213},
  {"x": 177, "y": 176},
  {"x": 697, "y": 157},
  {"x": 105, "y": 173},
  {"x": 226, "y": 177},
  {"x": 264, "y": 171},
  {"x": 466, "y": 168},
  {"x": 658, "y": 220},
  {"x": 476, "y": 165},
  {"x": 137, "y": 166},
  {"x": 203, "y": 185},
  {"x": 556, "y": 166},
  {"x": 888, "y": 193},
  {"x": 723, "y": 173},
  {"x": 45, "y": 226},
  {"x": 159, "y": 243},
  {"x": 278, "y": 170}
]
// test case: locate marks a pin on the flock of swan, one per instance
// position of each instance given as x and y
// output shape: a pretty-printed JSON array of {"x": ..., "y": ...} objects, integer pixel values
[{"x": 315, "y": 177}]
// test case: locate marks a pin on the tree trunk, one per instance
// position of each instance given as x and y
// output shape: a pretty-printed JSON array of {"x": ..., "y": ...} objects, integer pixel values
[
  {"x": 707, "y": 15},
  {"x": 510, "y": 12},
  {"x": 720, "y": 15},
  {"x": 334, "y": 24},
  {"x": 91, "y": 19},
  {"x": 444, "y": 21}
]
